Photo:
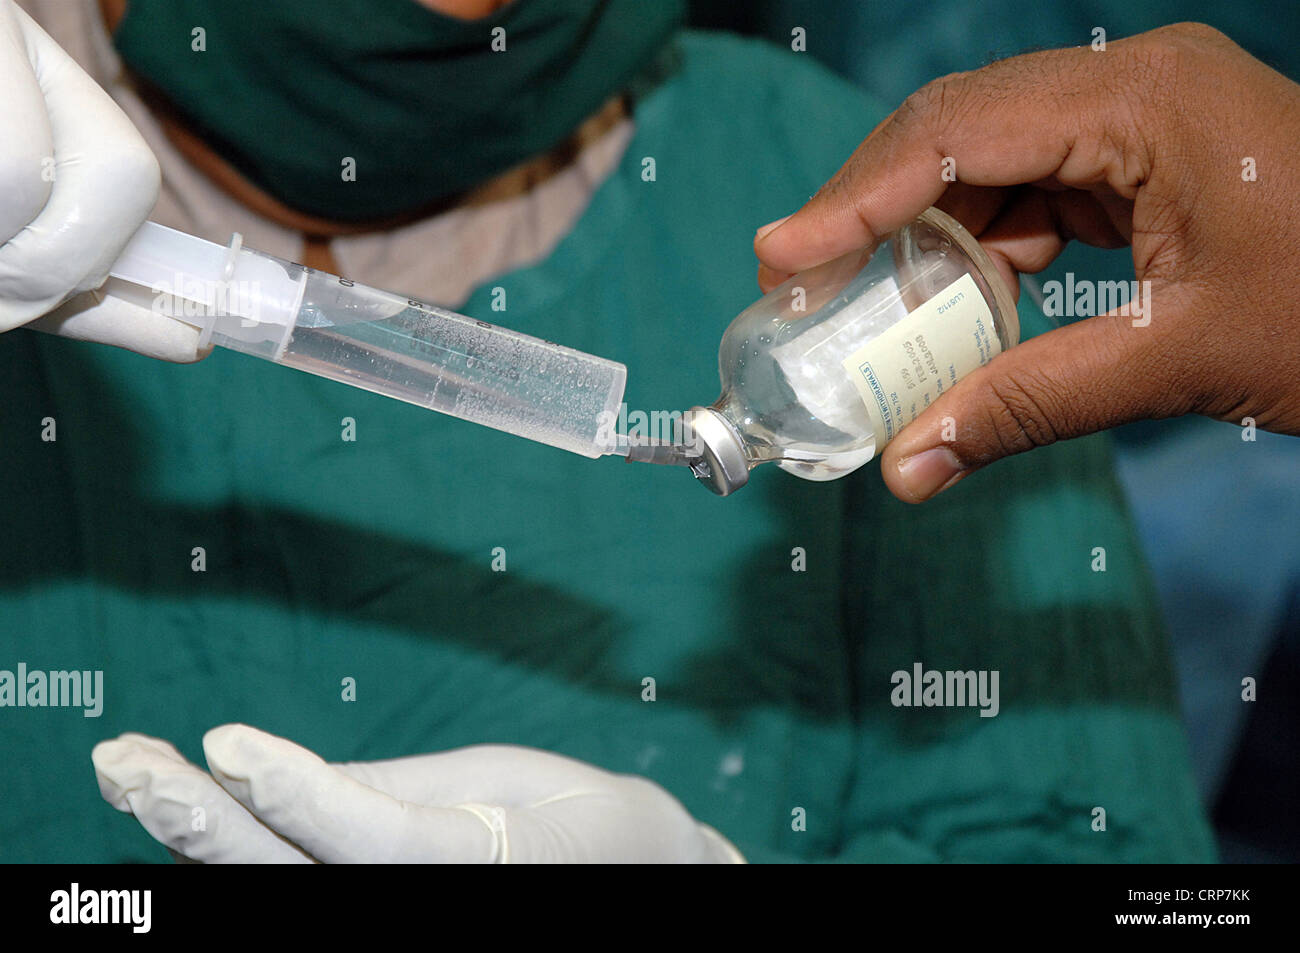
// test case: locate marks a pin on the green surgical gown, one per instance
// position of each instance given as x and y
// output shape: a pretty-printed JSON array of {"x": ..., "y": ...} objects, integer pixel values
[{"x": 479, "y": 588}]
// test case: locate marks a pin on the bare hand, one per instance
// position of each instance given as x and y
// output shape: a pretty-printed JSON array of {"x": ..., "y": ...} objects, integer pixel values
[{"x": 1176, "y": 142}]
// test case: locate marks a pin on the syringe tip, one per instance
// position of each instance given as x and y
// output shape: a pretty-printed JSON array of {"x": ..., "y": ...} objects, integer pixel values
[{"x": 654, "y": 451}]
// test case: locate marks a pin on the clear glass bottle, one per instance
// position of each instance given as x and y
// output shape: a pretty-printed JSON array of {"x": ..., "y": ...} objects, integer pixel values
[{"x": 824, "y": 370}]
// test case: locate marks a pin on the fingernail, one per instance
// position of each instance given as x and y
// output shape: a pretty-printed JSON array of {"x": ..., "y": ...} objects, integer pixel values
[
  {"x": 925, "y": 474},
  {"x": 770, "y": 227}
]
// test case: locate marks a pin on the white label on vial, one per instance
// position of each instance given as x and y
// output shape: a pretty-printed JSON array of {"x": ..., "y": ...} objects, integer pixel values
[{"x": 904, "y": 370}]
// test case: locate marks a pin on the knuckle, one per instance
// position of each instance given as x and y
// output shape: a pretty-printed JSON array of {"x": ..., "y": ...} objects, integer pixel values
[
  {"x": 1156, "y": 62},
  {"x": 914, "y": 108},
  {"x": 134, "y": 163},
  {"x": 1020, "y": 415},
  {"x": 1191, "y": 32},
  {"x": 935, "y": 104}
]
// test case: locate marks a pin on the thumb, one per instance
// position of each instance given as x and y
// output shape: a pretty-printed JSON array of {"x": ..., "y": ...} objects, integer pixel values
[{"x": 1073, "y": 381}]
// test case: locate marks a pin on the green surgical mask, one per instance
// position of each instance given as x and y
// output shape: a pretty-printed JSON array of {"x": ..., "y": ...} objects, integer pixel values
[{"x": 297, "y": 93}]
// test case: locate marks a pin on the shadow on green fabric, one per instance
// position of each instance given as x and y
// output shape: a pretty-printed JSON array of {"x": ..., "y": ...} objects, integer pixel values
[{"x": 354, "y": 566}]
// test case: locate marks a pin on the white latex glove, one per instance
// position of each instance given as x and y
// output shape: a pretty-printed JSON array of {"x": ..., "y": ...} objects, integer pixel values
[
  {"x": 76, "y": 181},
  {"x": 268, "y": 800}
]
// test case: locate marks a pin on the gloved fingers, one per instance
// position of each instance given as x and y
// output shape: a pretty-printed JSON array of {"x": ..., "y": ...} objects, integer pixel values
[
  {"x": 25, "y": 127},
  {"x": 334, "y": 817},
  {"x": 547, "y": 808},
  {"x": 108, "y": 319},
  {"x": 105, "y": 182},
  {"x": 506, "y": 775},
  {"x": 181, "y": 806}
]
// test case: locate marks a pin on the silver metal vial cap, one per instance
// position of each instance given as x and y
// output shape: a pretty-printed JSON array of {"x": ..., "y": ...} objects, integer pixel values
[{"x": 722, "y": 465}]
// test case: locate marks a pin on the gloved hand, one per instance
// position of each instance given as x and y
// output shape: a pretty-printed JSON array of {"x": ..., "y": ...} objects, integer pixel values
[
  {"x": 76, "y": 181},
  {"x": 268, "y": 800}
]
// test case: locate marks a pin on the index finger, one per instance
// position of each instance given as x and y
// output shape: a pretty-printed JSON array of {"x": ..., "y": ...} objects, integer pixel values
[
  {"x": 1057, "y": 114},
  {"x": 332, "y": 816}
]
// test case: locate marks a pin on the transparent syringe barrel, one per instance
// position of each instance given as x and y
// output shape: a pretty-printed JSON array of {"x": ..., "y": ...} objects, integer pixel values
[{"x": 450, "y": 363}]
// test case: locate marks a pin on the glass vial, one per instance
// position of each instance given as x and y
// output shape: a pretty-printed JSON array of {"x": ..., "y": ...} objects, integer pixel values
[{"x": 823, "y": 371}]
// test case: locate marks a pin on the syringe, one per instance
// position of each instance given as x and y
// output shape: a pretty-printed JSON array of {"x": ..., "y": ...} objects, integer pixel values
[{"x": 258, "y": 304}]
